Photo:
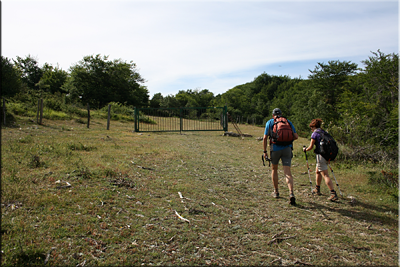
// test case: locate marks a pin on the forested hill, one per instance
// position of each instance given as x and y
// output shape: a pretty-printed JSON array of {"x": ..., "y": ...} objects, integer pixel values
[{"x": 358, "y": 104}]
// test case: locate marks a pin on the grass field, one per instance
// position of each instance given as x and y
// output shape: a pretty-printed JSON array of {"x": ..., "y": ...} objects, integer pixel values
[{"x": 85, "y": 197}]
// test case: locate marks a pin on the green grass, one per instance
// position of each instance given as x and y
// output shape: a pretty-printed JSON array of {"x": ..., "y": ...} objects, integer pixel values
[{"x": 120, "y": 208}]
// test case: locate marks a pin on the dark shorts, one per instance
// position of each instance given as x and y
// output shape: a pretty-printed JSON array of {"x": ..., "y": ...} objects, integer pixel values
[{"x": 285, "y": 154}]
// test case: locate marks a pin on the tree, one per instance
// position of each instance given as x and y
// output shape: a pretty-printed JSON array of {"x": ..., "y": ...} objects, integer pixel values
[
  {"x": 369, "y": 106},
  {"x": 156, "y": 100},
  {"x": 30, "y": 71},
  {"x": 194, "y": 98},
  {"x": 10, "y": 79},
  {"x": 169, "y": 102},
  {"x": 97, "y": 81},
  {"x": 328, "y": 81},
  {"x": 52, "y": 79}
]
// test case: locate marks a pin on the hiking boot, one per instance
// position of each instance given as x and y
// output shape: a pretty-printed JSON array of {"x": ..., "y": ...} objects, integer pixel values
[
  {"x": 333, "y": 197},
  {"x": 275, "y": 194},
  {"x": 316, "y": 191},
  {"x": 292, "y": 200}
]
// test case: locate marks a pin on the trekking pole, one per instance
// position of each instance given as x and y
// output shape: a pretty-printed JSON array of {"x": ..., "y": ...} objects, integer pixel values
[
  {"x": 308, "y": 169},
  {"x": 329, "y": 164}
]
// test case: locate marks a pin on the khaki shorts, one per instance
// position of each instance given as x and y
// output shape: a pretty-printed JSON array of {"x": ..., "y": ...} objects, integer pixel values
[
  {"x": 284, "y": 154},
  {"x": 321, "y": 163}
]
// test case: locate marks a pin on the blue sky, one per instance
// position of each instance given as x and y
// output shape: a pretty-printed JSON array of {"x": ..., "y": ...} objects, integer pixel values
[{"x": 200, "y": 44}]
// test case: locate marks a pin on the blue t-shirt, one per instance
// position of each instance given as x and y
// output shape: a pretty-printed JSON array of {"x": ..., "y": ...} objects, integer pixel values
[{"x": 268, "y": 127}]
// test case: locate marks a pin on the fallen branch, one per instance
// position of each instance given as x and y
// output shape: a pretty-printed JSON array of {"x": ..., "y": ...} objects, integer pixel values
[
  {"x": 182, "y": 197},
  {"x": 267, "y": 255},
  {"x": 48, "y": 255},
  {"x": 280, "y": 260},
  {"x": 279, "y": 239},
  {"x": 303, "y": 263},
  {"x": 278, "y": 234},
  {"x": 62, "y": 186},
  {"x": 145, "y": 168},
  {"x": 180, "y": 217}
]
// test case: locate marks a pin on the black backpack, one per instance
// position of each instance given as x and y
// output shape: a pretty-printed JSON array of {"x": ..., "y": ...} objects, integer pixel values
[{"x": 327, "y": 146}]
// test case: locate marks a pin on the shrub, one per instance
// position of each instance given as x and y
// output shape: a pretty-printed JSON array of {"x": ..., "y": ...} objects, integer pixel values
[
  {"x": 118, "y": 108},
  {"x": 385, "y": 178}
]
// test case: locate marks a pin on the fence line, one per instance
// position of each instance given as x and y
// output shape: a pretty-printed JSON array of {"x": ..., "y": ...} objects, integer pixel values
[
  {"x": 166, "y": 119},
  {"x": 181, "y": 119}
]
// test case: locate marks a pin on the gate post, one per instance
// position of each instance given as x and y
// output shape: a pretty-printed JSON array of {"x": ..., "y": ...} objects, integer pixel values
[
  {"x": 180, "y": 120},
  {"x": 225, "y": 118},
  {"x": 136, "y": 118}
]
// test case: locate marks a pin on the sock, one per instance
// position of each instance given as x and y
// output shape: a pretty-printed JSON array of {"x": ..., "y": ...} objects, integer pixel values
[{"x": 333, "y": 192}]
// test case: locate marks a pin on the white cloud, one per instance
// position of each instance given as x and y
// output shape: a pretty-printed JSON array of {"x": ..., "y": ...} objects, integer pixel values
[{"x": 217, "y": 45}]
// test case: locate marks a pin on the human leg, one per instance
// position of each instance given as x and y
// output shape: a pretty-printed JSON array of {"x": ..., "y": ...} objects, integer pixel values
[
  {"x": 286, "y": 162},
  {"x": 274, "y": 177},
  {"x": 321, "y": 167},
  {"x": 318, "y": 179},
  {"x": 328, "y": 180},
  {"x": 289, "y": 178},
  {"x": 275, "y": 157}
]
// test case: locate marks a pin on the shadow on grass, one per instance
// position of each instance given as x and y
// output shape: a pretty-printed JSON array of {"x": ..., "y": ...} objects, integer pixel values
[
  {"x": 28, "y": 258},
  {"x": 368, "y": 212}
]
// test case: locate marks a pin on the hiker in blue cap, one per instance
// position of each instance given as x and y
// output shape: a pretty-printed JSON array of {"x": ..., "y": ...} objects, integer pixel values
[{"x": 281, "y": 133}]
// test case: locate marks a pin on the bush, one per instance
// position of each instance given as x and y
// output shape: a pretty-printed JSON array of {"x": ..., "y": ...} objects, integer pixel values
[
  {"x": 55, "y": 115},
  {"x": 55, "y": 104},
  {"x": 16, "y": 108},
  {"x": 118, "y": 108},
  {"x": 388, "y": 179}
]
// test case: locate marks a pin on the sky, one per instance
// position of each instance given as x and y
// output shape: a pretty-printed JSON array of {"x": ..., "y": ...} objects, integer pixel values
[{"x": 200, "y": 44}]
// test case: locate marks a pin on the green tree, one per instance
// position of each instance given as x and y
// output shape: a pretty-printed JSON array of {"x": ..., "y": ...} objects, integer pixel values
[
  {"x": 369, "y": 106},
  {"x": 30, "y": 71},
  {"x": 328, "y": 81},
  {"x": 156, "y": 100},
  {"x": 10, "y": 78},
  {"x": 98, "y": 81},
  {"x": 53, "y": 79},
  {"x": 169, "y": 101}
]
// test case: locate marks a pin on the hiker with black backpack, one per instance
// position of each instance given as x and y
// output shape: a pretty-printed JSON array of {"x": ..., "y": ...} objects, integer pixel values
[
  {"x": 281, "y": 133},
  {"x": 322, "y": 163}
]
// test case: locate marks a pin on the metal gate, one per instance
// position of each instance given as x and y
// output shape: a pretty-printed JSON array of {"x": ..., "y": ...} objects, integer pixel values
[{"x": 181, "y": 119}]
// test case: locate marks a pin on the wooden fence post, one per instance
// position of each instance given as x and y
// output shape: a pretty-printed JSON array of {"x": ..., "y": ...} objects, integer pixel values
[
  {"x": 109, "y": 115},
  {"x": 88, "y": 115}
]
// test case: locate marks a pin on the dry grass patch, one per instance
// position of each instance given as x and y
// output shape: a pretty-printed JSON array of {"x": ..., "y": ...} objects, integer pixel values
[{"x": 98, "y": 197}]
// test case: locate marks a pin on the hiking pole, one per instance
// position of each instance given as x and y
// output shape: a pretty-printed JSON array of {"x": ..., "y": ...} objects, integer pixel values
[
  {"x": 267, "y": 159},
  {"x": 308, "y": 169},
  {"x": 329, "y": 164}
]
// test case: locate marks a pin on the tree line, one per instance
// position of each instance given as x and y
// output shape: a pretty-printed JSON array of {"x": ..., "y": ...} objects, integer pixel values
[{"x": 358, "y": 104}]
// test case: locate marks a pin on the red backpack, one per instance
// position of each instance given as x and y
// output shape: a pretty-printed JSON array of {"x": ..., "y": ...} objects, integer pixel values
[{"x": 282, "y": 133}]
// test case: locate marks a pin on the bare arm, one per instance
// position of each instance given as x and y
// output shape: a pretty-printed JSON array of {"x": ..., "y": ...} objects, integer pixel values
[{"x": 311, "y": 145}]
